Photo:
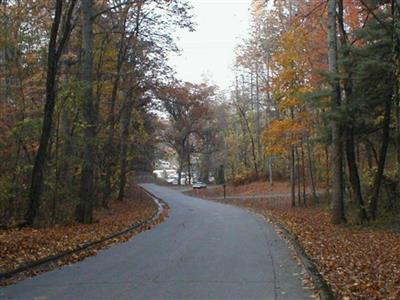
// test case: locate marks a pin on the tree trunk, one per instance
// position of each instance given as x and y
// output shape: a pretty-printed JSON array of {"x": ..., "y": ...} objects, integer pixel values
[
  {"x": 258, "y": 119},
  {"x": 37, "y": 178},
  {"x": 311, "y": 170},
  {"x": 67, "y": 146},
  {"x": 205, "y": 167},
  {"x": 298, "y": 175},
  {"x": 396, "y": 86},
  {"x": 270, "y": 171},
  {"x": 110, "y": 147},
  {"x": 180, "y": 173},
  {"x": 353, "y": 175},
  {"x": 303, "y": 173},
  {"x": 349, "y": 130},
  {"x": 373, "y": 209},
  {"x": 292, "y": 177},
  {"x": 189, "y": 166},
  {"x": 125, "y": 123},
  {"x": 87, "y": 188},
  {"x": 253, "y": 145},
  {"x": 337, "y": 148},
  {"x": 328, "y": 177}
]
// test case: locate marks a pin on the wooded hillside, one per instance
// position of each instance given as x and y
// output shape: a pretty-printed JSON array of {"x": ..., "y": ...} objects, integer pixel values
[
  {"x": 77, "y": 83},
  {"x": 316, "y": 102}
]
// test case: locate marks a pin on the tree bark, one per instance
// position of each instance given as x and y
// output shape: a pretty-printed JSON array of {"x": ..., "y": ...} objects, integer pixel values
[
  {"x": 270, "y": 171},
  {"x": 337, "y": 147},
  {"x": 110, "y": 147},
  {"x": 311, "y": 170},
  {"x": 373, "y": 209},
  {"x": 87, "y": 188},
  {"x": 127, "y": 108},
  {"x": 396, "y": 86},
  {"x": 189, "y": 167},
  {"x": 125, "y": 123},
  {"x": 253, "y": 145},
  {"x": 354, "y": 176},
  {"x": 298, "y": 175},
  {"x": 292, "y": 177},
  {"x": 303, "y": 173},
  {"x": 53, "y": 57}
]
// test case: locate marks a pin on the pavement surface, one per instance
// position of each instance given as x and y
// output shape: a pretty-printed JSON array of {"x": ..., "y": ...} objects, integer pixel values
[{"x": 204, "y": 250}]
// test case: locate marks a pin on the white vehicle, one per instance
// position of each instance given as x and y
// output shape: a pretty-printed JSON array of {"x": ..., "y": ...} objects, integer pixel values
[
  {"x": 199, "y": 185},
  {"x": 171, "y": 180}
]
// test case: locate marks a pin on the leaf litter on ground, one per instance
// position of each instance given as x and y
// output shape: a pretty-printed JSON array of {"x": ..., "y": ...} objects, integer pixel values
[
  {"x": 357, "y": 263},
  {"x": 20, "y": 246}
]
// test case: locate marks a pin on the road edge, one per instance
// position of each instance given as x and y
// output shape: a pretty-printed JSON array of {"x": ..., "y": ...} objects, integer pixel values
[
  {"x": 323, "y": 288},
  {"x": 161, "y": 207}
]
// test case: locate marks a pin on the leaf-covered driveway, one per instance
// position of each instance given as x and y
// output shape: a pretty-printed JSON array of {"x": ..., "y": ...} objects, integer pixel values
[{"x": 204, "y": 250}]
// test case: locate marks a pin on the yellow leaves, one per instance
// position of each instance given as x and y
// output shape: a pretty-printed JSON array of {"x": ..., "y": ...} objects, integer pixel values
[
  {"x": 279, "y": 135},
  {"x": 292, "y": 68},
  {"x": 289, "y": 103}
]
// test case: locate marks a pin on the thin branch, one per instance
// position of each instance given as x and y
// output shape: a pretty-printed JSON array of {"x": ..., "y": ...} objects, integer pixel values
[
  {"x": 371, "y": 11},
  {"x": 114, "y": 7},
  {"x": 67, "y": 30}
]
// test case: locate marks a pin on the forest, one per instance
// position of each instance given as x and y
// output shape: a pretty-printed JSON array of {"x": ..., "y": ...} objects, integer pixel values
[
  {"x": 318, "y": 84},
  {"x": 79, "y": 98},
  {"x": 81, "y": 87},
  {"x": 89, "y": 100},
  {"x": 315, "y": 102},
  {"x": 78, "y": 79}
]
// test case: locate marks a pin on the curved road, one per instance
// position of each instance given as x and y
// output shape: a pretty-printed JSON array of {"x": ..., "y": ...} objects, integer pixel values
[{"x": 204, "y": 250}]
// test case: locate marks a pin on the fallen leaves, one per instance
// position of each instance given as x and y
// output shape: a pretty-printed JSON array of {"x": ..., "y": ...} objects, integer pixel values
[
  {"x": 255, "y": 188},
  {"x": 357, "y": 263},
  {"x": 21, "y": 246}
]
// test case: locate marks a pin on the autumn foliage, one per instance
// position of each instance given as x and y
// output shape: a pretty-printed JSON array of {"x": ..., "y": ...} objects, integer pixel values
[
  {"x": 26, "y": 245},
  {"x": 357, "y": 263}
]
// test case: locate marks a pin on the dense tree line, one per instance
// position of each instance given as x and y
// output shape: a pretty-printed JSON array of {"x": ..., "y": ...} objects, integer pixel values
[
  {"x": 316, "y": 101},
  {"x": 78, "y": 79}
]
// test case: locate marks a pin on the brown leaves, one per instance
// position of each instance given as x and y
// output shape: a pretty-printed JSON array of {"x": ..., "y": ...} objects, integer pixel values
[
  {"x": 357, "y": 263},
  {"x": 20, "y": 246},
  {"x": 254, "y": 188}
]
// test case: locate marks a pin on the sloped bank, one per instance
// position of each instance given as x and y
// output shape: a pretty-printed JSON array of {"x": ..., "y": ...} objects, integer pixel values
[{"x": 28, "y": 251}]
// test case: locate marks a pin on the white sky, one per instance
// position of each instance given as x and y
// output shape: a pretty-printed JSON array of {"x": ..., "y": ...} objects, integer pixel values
[{"x": 209, "y": 51}]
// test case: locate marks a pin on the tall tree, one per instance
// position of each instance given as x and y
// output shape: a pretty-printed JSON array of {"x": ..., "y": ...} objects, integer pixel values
[
  {"x": 337, "y": 147},
  {"x": 354, "y": 177},
  {"x": 132, "y": 95},
  {"x": 58, "y": 39},
  {"x": 87, "y": 187}
]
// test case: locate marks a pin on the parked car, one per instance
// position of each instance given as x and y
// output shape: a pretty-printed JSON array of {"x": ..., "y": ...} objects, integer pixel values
[{"x": 199, "y": 185}]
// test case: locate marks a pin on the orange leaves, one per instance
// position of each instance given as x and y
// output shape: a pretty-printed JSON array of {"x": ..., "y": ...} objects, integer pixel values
[
  {"x": 20, "y": 246},
  {"x": 357, "y": 264},
  {"x": 279, "y": 135},
  {"x": 289, "y": 103}
]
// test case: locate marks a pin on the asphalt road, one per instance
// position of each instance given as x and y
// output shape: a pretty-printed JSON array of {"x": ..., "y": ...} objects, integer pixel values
[{"x": 204, "y": 250}]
